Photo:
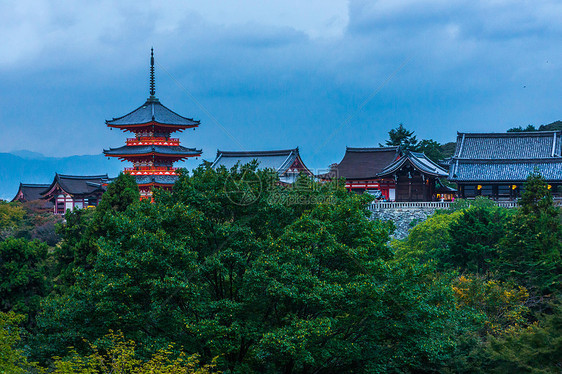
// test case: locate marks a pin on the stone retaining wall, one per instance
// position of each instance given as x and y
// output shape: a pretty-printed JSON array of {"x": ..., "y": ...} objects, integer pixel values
[{"x": 404, "y": 219}]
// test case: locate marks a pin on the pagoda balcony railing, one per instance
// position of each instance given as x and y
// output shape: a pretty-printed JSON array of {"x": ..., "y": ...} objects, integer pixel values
[
  {"x": 151, "y": 170},
  {"x": 149, "y": 140}
]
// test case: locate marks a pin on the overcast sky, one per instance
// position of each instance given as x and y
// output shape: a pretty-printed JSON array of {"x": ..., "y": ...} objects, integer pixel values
[{"x": 268, "y": 74}]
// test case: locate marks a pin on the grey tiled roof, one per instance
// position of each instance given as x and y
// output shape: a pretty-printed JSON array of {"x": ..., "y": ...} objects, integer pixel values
[
  {"x": 159, "y": 179},
  {"x": 505, "y": 170},
  {"x": 152, "y": 111},
  {"x": 78, "y": 184},
  {"x": 536, "y": 144},
  {"x": 30, "y": 192},
  {"x": 280, "y": 160},
  {"x": 363, "y": 163},
  {"x": 511, "y": 156},
  {"x": 419, "y": 161},
  {"x": 171, "y": 150}
]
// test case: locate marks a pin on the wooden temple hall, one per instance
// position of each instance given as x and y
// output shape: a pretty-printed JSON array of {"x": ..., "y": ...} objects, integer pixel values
[
  {"x": 497, "y": 164},
  {"x": 390, "y": 174},
  {"x": 66, "y": 192}
]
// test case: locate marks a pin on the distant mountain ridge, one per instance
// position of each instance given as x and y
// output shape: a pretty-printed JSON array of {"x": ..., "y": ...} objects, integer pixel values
[{"x": 31, "y": 167}]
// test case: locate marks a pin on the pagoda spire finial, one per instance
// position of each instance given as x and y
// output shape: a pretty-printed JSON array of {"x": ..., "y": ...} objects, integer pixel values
[{"x": 152, "y": 84}]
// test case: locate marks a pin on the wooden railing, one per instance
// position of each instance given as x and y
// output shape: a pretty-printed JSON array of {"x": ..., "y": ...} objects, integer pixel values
[
  {"x": 436, "y": 204},
  {"x": 148, "y": 140}
]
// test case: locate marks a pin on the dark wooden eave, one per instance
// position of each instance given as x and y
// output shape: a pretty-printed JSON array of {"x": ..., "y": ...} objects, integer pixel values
[
  {"x": 153, "y": 113},
  {"x": 172, "y": 151}
]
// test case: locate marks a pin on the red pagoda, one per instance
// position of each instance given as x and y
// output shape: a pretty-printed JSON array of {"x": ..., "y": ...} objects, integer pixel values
[{"x": 152, "y": 151}]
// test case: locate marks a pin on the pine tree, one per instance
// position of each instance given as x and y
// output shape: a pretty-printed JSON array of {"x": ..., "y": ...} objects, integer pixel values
[{"x": 400, "y": 136}]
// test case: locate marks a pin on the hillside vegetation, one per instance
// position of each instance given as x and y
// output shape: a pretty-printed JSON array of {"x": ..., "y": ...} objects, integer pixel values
[{"x": 234, "y": 273}]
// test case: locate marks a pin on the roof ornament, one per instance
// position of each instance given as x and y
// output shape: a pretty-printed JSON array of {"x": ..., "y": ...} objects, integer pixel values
[{"x": 152, "y": 85}]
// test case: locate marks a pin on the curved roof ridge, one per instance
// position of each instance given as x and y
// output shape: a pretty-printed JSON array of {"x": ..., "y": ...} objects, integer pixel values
[
  {"x": 371, "y": 149},
  {"x": 34, "y": 184},
  {"x": 142, "y": 149},
  {"x": 513, "y": 133},
  {"x": 277, "y": 152},
  {"x": 152, "y": 116},
  {"x": 419, "y": 160},
  {"x": 69, "y": 176}
]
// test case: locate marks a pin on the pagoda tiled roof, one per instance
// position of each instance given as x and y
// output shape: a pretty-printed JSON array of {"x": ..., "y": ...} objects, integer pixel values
[
  {"x": 278, "y": 160},
  {"x": 511, "y": 156},
  {"x": 165, "y": 150},
  {"x": 30, "y": 192},
  {"x": 156, "y": 179},
  {"x": 419, "y": 161},
  {"x": 363, "y": 163},
  {"x": 77, "y": 184},
  {"x": 153, "y": 111}
]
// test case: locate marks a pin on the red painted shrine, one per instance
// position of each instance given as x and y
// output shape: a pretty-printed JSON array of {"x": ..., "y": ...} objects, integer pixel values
[{"x": 152, "y": 151}]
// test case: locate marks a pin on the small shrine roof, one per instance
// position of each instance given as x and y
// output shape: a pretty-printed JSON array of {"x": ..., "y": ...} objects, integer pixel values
[{"x": 419, "y": 161}]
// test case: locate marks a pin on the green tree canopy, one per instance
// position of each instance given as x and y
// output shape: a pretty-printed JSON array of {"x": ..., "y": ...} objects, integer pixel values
[
  {"x": 23, "y": 276},
  {"x": 297, "y": 281},
  {"x": 402, "y": 137},
  {"x": 474, "y": 237},
  {"x": 522, "y": 129},
  {"x": 12, "y": 357},
  {"x": 533, "y": 349},
  {"x": 532, "y": 248},
  {"x": 83, "y": 228},
  {"x": 431, "y": 148},
  {"x": 121, "y": 192}
]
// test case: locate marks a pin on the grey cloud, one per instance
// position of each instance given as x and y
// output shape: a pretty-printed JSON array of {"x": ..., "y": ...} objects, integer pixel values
[{"x": 273, "y": 86}]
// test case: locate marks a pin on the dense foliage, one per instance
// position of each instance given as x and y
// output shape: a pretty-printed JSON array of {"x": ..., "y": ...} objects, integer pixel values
[
  {"x": 406, "y": 140},
  {"x": 402, "y": 137},
  {"x": 234, "y": 272},
  {"x": 554, "y": 126}
]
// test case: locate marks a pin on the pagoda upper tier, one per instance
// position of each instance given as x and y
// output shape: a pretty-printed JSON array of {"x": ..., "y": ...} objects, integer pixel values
[{"x": 152, "y": 117}]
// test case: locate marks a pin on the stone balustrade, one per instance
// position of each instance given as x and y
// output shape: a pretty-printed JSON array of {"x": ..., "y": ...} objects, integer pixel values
[{"x": 432, "y": 205}]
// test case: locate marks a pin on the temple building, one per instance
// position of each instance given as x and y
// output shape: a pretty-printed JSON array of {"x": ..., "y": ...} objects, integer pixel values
[
  {"x": 360, "y": 168},
  {"x": 29, "y": 192},
  {"x": 416, "y": 177},
  {"x": 287, "y": 163},
  {"x": 497, "y": 164},
  {"x": 390, "y": 174},
  {"x": 75, "y": 191},
  {"x": 152, "y": 151}
]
